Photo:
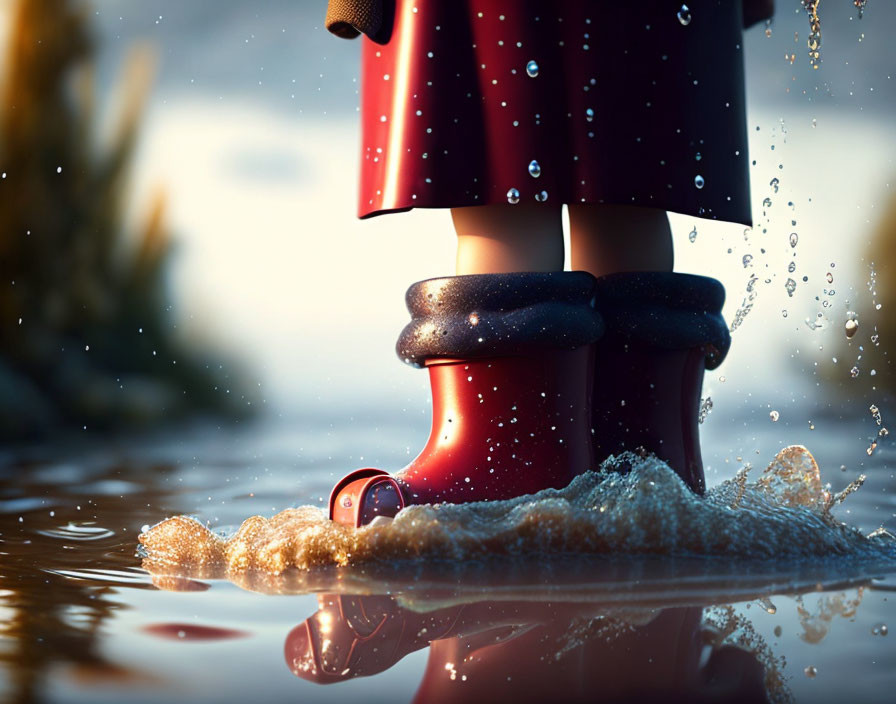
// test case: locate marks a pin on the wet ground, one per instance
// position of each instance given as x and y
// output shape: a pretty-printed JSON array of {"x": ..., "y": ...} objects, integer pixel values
[{"x": 83, "y": 622}]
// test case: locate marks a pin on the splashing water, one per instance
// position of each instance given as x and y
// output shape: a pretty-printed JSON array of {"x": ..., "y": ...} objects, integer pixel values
[
  {"x": 882, "y": 431},
  {"x": 747, "y": 304},
  {"x": 814, "y": 41},
  {"x": 705, "y": 409},
  {"x": 633, "y": 506}
]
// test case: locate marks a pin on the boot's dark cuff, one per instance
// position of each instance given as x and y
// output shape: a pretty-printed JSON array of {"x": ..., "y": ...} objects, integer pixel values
[
  {"x": 493, "y": 315},
  {"x": 669, "y": 310}
]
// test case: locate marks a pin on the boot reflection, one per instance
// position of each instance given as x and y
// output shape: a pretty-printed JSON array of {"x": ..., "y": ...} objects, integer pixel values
[{"x": 526, "y": 652}]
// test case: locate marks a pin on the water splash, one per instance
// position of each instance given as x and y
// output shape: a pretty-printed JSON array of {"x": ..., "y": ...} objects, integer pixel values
[
  {"x": 747, "y": 304},
  {"x": 634, "y": 506},
  {"x": 814, "y": 41},
  {"x": 882, "y": 431},
  {"x": 705, "y": 409}
]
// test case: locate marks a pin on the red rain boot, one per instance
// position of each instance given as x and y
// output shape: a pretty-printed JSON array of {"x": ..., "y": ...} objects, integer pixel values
[
  {"x": 662, "y": 331},
  {"x": 510, "y": 360}
]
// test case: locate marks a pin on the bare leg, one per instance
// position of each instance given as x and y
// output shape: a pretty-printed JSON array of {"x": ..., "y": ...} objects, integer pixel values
[
  {"x": 605, "y": 239},
  {"x": 498, "y": 239}
]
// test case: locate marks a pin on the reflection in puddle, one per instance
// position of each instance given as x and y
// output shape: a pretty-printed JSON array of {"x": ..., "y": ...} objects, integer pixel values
[{"x": 534, "y": 651}]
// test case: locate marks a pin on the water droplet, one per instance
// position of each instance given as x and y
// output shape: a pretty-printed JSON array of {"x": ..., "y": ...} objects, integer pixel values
[
  {"x": 879, "y": 629},
  {"x": 774, "y": 415},
  {"x": 698, "y": 181},
  {"x": 854, "y": 372},
  {"x": 534, "y": 169},
  {"x": 774, "y": 184},
  {"x": 851, "y": 327},
  {"x": 794, "y": 238},
  {"x": 692, "y": 236},
  {"x": 791, "y": 267},
  {"x": 790, "y": 285},
  {"x": 684, "y": 15},
  {"x": 778, "y": 631},
  {"x": 767, "y": 203},
  {"x": 830, "y": 277},
  {"x": 513, "y": 196},
  {"x": 698, "y": 156},
  {"x": 532, "y": 69},
  {"x": 589, "y": 115},
  {"x": 747, "y": 260},
  {"x": 705, "y": 409},
  {"x": 783, "y": 312},
  {"x": 811, "y": 671},
  {"x": 541, "y": 196}
]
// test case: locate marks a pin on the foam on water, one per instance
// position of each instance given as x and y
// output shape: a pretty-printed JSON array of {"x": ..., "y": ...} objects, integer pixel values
[{"x": 634, "y": 506}]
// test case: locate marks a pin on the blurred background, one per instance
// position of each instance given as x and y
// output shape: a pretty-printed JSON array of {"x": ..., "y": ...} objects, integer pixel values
[{"x": 178, "y": 232}]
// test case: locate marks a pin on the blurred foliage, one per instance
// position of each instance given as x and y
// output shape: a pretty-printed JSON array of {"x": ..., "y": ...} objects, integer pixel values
[
  {"x": 86, "y": 338},
  {"x": 870, "y": 347}
]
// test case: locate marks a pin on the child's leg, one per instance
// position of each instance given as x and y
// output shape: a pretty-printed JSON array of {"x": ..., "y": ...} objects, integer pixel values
[
  {"x": 606, "y": 239},
  {"x": 498, "y": 239}
]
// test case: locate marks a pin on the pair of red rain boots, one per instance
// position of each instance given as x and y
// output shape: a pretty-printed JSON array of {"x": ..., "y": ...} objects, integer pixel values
[{"x": 538, "y": 377}]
